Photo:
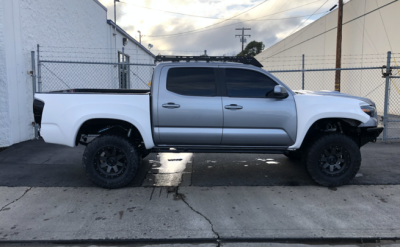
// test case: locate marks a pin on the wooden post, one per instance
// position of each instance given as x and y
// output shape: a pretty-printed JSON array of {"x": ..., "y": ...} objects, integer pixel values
[{"x": 339, "y": 46}]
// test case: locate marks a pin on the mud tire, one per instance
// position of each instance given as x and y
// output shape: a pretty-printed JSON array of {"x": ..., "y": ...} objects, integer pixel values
[
  {"x": 321, "y": 154},
  {"x": 93, "y": 160}
]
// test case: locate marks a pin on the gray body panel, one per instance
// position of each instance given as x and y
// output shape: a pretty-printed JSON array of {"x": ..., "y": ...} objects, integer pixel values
[
  {"x": 262, "y": 122},
  {"x": 197, "y": 120}
]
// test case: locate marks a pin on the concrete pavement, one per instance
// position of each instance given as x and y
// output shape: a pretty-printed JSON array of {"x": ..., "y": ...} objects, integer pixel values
[{"x": 201, "y": 213}]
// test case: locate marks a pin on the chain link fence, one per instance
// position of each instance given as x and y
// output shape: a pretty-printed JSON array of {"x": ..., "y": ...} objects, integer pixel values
[
  {"x": 366, "y": 82},
  {"x": 57, "y": 75}
]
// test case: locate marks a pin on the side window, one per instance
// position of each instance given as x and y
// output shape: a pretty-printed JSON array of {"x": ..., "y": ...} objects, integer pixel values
[
  {"x": 248, "y": 83},
  {"x": 192, "y": 81}
]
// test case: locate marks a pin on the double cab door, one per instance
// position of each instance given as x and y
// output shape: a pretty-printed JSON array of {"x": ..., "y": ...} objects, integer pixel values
[{"x": 225, "y": 106}]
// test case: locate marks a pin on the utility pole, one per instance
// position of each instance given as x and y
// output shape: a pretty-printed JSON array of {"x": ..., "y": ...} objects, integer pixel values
[
  {"x": 140, "y": 37},
  {"x": 115, "y": 30},
  {"x": 339, "y": 46},
  {"x": 242, "y": 39}
]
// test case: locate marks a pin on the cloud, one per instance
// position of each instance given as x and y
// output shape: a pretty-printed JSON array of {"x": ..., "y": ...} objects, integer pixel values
[{"x": 218, "y": 39}]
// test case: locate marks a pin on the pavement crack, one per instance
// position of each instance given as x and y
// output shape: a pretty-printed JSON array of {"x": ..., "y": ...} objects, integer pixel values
[
  {"x": 26, "y": 191},
  {"x": 183, "y": 198},
  {"x": 151, "y": 196}
]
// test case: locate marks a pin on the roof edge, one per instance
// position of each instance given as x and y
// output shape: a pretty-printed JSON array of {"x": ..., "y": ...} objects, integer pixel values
[
  {"x": 119, "y": 29},
  {"x": 101, "y": 5}
]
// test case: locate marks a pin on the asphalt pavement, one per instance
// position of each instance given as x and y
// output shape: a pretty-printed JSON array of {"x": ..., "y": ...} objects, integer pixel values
[
  {"x": 197, "y": 199},
  {"x": 39, "y": 164}
]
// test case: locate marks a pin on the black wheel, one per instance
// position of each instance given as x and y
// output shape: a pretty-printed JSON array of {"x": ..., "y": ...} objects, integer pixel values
[
  {"x": 111, "y": 161},
  {"x": 294, "y": 155},
  {"x": 333, "y": 160}
]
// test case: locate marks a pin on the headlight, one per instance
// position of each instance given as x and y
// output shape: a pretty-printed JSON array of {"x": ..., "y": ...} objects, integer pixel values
[{"x": 370, "y": 110}]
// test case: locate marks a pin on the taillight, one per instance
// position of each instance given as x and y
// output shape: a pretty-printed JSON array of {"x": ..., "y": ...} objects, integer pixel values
[{"x": 38, "y": 110}]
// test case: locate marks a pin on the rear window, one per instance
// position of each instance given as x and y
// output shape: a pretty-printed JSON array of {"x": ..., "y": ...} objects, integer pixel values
[{"x": 192, "y": 81}]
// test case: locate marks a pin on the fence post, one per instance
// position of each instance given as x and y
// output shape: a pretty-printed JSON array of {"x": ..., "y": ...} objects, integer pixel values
[
  {"x": 33, "y": 73},
  {"x": 39, "y": 71},
  {"x": 34, "y": 87},
  {"x": 386, "y": 107},
  {"x": 123, "y": 69},
  {"x": 302, "y": 75}
]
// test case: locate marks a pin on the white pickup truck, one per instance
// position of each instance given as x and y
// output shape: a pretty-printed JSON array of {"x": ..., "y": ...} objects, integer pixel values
[{"x": 216, "y": 107}]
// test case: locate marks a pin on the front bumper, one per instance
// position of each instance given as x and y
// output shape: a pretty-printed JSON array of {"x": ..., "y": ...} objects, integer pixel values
[{"x": 369, "y": 134}]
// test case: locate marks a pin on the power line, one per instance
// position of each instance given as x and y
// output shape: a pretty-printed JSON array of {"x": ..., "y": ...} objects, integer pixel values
[
  {"x": 176, "y": 13},
  {"x": 255, "y": 19},
  {"x": 330, "y": 30},
  {"x": 384, "y": 26},
  {"x": 218, "y": 22},
  {"x": 258, "y": 18},
  {"x": 301, "y": 24}
]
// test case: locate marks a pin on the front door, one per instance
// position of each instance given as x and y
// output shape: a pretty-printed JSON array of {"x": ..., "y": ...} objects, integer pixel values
[
  {"x": 252, "y": 117},
  {"x": 189, "y": 112}
]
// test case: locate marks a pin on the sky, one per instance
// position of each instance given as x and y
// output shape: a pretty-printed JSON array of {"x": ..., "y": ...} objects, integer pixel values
[{"x": 210, "y": 24}]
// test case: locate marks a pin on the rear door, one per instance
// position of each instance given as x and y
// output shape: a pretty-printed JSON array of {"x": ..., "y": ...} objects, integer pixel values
[
  {"x": 252, "y": 117},
  {"x": 189, "y": 110}
]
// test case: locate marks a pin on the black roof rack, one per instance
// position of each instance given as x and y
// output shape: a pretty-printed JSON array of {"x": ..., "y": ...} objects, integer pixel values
[{"x": 234, "y": 59}]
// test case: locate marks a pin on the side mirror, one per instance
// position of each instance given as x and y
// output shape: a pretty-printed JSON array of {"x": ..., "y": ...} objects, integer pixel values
[{"x": 280, "y": 92}]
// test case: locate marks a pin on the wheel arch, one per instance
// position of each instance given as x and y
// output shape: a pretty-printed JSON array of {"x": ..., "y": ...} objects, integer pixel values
[
  {"x": 102, "y": 126},
  {"x": 346, "y": 126}
]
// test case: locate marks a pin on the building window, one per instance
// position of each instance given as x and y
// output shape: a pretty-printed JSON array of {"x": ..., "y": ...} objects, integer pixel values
[{"x": 123, "y": 70}]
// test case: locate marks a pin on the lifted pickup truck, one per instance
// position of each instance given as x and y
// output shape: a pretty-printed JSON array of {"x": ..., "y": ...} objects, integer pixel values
[{"x": 216, "y": 107}]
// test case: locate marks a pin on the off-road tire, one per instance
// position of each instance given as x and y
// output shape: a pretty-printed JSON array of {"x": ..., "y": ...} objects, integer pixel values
[
  {"x": 293, "y": 155},
  {"x": 317, "y": 158},
  {"x": 92, "y": 163}
]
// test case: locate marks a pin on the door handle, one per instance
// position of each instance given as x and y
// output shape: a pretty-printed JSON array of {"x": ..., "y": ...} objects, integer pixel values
[
  {"x": 233, "y": 107},
  {"x": 171, "y": 105}
]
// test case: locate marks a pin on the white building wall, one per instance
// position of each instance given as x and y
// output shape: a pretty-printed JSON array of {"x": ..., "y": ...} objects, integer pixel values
[
  {"x": 74, "y": 30},
  {"x": 4, "y": 97},
  {"x": 364, "y": 36}
]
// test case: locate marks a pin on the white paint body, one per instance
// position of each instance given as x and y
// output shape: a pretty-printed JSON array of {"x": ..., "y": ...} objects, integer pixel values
[
  {"x": 311, "y": 108},
  {"x": 64, "y": 114}
]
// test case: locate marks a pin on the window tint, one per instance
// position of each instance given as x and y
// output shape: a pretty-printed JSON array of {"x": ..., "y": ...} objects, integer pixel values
[
  {"x": 192, "y": 81},
  {"x": 247, "y": 83}
]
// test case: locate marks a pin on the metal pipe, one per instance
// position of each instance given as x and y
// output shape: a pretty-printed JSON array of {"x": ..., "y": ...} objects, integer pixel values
[
  {"x": 315, "y": 70},
  {"x": 302, "y": 76},
  {"x": 34, "y": 89},
  {"x": 39, "y": 70},
  {"x": 123, "y": 83},
  {"x": 33, "y": 74},
  {"x": 387, "y": 88},
  {"x": 115, "y": 30},
  {"x": 76, "y": 62}
]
